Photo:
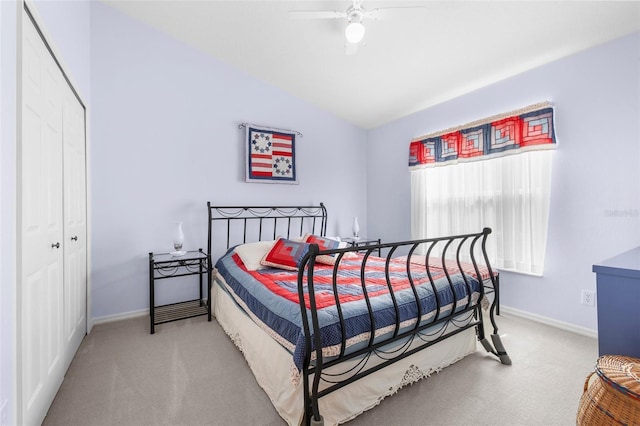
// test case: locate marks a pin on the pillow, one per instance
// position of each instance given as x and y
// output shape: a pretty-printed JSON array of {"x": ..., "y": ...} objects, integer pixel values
[
  {"x": 252, "y": 253},
  {"x": 326, "y": 243},
  {"x": 285, "y": 254}
]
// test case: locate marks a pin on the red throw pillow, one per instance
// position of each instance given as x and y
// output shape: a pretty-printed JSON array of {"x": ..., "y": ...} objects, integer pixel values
[{"x": 285, "y": 254}]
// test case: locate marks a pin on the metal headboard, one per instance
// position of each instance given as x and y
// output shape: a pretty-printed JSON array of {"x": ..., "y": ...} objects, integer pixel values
[{"x": 243, "y": 224}]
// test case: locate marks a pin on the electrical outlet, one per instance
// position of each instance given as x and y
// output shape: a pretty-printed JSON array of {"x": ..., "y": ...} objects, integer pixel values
[{"x": 588, "y": 298}]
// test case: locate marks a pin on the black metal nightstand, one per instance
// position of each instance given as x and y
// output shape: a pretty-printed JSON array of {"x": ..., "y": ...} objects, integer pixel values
[
  {"x": 362, "y": 242},
  {"x": 167, "y": 265}
]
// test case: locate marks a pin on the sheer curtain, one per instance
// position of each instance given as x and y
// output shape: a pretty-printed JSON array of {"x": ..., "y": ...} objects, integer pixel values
[{"x": 509, "y": 194}]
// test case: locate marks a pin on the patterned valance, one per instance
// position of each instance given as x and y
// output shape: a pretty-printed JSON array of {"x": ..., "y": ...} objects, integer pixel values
[{"x": 529, "y": 128}]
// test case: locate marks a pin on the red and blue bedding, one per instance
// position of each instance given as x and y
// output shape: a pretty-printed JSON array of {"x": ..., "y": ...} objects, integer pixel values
[{"x": 270, "y": 297}]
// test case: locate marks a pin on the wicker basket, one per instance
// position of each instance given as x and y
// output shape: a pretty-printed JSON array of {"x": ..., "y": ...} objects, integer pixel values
[{"x": 611, "y": 395}]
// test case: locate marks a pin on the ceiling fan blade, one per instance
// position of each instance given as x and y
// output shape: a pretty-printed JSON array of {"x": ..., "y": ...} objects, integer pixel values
[
  {"x": 378, "y": 12},
  {"x": 372, "y": 14},
  {"x": 316, "y": 14}
]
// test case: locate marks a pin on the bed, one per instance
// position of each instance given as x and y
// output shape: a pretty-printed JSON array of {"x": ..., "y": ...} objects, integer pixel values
[{"x": 385, "y": 321}]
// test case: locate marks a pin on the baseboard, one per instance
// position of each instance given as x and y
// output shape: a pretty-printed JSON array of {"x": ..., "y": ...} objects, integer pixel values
[
  {"x": 503, "y": 309},
  {"x": 550, "y": 321},
  {"x": 119, "y": 317}
]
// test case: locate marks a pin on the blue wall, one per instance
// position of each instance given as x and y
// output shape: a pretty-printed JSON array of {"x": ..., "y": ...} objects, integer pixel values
[
  {"x": 595, "y": 199},
  {"x": 165, "y": 140}
]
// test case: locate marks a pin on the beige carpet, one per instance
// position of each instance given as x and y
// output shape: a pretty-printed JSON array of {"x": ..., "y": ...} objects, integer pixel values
[{"x": 190, "y": 373}]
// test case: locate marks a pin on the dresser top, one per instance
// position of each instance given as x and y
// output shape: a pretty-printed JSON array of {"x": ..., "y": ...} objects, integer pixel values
[{"x": 625, "y": 264}]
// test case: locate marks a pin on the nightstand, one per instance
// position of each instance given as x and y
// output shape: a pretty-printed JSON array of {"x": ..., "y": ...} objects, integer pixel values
[
  {"x": 362, "y": 242},
  {"x": 166, "y": 265}
]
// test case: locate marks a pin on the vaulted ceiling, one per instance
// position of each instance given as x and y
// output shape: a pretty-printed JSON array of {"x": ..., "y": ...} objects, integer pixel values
[{"x": 416, "y": 54}]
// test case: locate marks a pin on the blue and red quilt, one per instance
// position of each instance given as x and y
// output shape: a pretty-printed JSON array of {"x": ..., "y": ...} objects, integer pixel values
[{"x": 270, "y": 297}]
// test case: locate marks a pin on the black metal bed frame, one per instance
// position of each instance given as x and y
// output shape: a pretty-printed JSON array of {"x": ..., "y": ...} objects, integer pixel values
[{"x": 423, "y": 334}]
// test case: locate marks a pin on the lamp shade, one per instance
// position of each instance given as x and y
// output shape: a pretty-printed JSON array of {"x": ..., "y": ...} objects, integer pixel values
[{"x": 354, "y": 32}]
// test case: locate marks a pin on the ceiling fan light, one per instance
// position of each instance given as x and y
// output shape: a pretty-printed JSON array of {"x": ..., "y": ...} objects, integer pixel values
[{"x": 354, "y": 32}]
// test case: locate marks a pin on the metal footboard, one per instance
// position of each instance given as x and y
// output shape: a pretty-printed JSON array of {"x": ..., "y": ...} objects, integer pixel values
[{"x": 454, "y": 254}]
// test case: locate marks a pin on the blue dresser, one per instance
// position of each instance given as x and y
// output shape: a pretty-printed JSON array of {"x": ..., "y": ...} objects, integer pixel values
[{"x": 618, "y": 299}]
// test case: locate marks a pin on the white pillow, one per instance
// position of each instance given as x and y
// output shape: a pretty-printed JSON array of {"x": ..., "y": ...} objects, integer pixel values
[{"x": 252, "y": 253}]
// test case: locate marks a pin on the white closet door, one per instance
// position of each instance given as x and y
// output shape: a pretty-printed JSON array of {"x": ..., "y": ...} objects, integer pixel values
[
  {"x": 75, "y": 223},
  {"x": 53, "y": 228},
  {"x": 42, "y": 228}
]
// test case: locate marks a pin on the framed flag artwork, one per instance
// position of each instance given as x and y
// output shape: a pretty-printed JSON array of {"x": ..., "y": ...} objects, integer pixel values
[{"x": 270, "y": 155}]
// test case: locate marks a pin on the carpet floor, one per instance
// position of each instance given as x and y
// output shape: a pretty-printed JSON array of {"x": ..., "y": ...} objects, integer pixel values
[{"x": 190, "y": 373}]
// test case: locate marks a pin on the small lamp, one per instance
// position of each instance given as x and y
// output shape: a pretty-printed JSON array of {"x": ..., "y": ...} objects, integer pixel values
[{"x": 178, "y": 240}]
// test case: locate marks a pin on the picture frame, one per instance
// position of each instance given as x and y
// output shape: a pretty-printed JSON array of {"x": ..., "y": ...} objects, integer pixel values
[{"x": 270, "y": 155}]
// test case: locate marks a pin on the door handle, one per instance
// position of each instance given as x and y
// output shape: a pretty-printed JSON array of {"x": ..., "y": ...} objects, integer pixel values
[
  {"x": 56, "y": 245},
  {"x": 74, "y": 238}
]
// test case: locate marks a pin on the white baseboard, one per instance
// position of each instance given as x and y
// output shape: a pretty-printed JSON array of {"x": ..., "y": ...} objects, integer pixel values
[
  {"x": 550, "y": 321},
  {"x": 119, "y": 317},
  {"x": 503, "y": 309}
]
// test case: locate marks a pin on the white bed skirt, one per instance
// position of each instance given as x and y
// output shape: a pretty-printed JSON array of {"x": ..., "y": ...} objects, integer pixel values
[{"x": 271, "y": 365}]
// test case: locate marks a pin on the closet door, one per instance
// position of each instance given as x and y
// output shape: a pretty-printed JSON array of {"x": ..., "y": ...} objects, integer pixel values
[
  {"x": 75, "y": 223},
  {"x": 41, "y": 256}
]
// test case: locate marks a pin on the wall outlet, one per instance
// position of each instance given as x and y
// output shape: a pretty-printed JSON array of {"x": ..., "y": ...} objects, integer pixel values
[{"x": 588, "y": 298}]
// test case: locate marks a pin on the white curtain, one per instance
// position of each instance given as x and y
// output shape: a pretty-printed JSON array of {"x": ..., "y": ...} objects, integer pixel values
[{"x": 509, "y": 194}]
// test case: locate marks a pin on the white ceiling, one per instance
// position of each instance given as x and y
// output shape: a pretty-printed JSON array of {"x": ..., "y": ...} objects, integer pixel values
[{"x": 412, "y": 58}]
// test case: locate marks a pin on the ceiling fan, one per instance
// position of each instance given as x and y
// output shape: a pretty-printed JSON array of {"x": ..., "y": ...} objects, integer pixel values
[{"x": 355, "y": 15}]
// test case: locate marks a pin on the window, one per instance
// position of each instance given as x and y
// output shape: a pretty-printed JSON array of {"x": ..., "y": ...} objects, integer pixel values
[{"x": 509, "y": 194}]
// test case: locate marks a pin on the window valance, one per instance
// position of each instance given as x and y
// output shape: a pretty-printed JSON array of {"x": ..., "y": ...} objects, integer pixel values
[{"x": 529, "y": 128}]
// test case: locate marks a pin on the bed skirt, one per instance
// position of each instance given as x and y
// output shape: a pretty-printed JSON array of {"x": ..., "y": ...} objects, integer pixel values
[{"x": 273, "y": 371}]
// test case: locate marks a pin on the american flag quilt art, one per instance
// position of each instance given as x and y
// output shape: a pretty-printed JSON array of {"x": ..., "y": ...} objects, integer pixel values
[
  {"x": 530, "y": 128},
  {"x": 271, "y": 155}
]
